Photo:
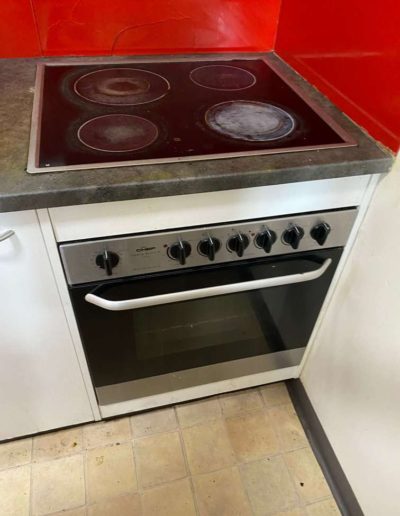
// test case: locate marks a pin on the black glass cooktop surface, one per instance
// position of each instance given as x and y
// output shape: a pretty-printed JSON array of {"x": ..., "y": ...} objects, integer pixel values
[{"x": 102, "y": 115}]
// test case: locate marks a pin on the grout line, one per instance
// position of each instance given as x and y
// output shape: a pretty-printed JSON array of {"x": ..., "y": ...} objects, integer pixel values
[
  {"x": 131, "y": 427},
  {"x": 85, "y": 477},
  {"x": 64, "y": 511},
  {"x": 185, "y": 459},
  {"x": 174, "y": 431},
  {"x": 135, "y": 462},
  {"x": 195, "y": 501},
  {"x": 31, "y": 481},
  {"x": 31, "y": 489},
  {"x": 190, "y": 477},
  {"x": 245, "y": 490},
  {"x": 144, "y": 490}
]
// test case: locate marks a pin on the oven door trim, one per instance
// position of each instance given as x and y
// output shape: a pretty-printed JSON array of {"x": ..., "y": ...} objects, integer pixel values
[
  {"x": 198, "y": 382},
  {"x": 220, "y": 290}
]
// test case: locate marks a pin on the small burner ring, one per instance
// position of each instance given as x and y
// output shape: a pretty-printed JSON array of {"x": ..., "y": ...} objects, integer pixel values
[
  {"x": 118, "y": 133},
  {"x": 222, "y": 77}
]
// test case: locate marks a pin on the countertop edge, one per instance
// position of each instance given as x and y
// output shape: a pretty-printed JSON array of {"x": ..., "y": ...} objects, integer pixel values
[{"x": 93, "y": 194}]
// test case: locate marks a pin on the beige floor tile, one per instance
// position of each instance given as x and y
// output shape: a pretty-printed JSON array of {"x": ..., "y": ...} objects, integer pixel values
[
  {"x": 208, "y": 447},
  {"x": 325, "y": 508},
  {"x": 110, "y": 472},
  {"x": 252, "y": 436},
  {"x": 57, "y": 444},
  {"x": 15, "y": 491},
  {"x": 159, "y": 459},
  {"x": 196, "y": 412},
  {"x": 237, "y": 402},
  {"x": 58, "y": 485},
  {"x": 154, "y": 422},
  {"x": 288, "y": 427},
  {"x": 307, "y": 475},
  {"x": 269, "y": 486},
  {"x": 15, "y": 453},
  {"x": 291, "y": 512},
  {"x": 174, "y": 499},
  {"x": 106, "y": 432},
  {"x": 275, "y": 394},
  {"x": 125, "y": 505},
  {"x": 221, "y": 494}
]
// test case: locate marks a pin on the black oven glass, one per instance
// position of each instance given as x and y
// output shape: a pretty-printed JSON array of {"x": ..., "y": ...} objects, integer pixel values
[{"x": 143, "y": 343}]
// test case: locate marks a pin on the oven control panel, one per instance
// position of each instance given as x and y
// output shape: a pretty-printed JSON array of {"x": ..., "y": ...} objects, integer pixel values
[{"x": 130, "y": 255}]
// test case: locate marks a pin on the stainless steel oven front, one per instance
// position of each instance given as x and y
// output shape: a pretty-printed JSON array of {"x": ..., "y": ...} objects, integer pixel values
[{"x": 178, "y": 309}]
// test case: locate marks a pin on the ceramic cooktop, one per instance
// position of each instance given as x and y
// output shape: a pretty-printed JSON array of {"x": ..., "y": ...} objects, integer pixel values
[{"x": 105, "y": 115}]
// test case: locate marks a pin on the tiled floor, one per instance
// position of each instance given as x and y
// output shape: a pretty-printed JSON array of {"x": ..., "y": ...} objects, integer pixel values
[{"x": 237, "y": 454}]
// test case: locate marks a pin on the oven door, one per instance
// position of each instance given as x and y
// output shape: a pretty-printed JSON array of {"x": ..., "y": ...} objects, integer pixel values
[{"x": 153, "y": 334}]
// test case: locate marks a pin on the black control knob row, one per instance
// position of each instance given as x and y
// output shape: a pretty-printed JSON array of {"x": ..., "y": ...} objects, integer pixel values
[
  {"x": 209, "y": 247},
  {"x": 107, "y": 260},
  {"x": 238, "y": 244},
  {"x": 180, "y": 251},
  {"x": 292, "y": 235},
  {"x": 266, "y": 239},
  {"x": 320, "y": 232}
]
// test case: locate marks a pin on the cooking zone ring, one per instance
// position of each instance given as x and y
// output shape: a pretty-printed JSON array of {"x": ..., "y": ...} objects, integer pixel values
[
  {"x": 118, "y": 133},
  {"x": 121, "y": 86},
  {"x": 222, "y": 77},
  {"x": 250, "y": 121}
]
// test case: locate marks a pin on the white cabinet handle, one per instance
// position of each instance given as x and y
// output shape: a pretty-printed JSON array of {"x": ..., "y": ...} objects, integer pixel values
[
  {"x": 219, "y": 290},
  {"x": 7, "y": 234}
]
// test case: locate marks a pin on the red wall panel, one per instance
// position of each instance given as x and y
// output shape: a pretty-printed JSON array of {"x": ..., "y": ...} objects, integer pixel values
[
  {"x": 155, "y": 26},
  {"x": 18, "y": 35},
  {"x": 350, "y": 49}
]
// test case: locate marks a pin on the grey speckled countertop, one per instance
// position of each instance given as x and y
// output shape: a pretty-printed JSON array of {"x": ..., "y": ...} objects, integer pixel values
[{"x": 21, "y": 191}]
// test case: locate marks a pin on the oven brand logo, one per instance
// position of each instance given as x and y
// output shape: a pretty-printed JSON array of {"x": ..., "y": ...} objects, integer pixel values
[{"x": 143, "y": 249}]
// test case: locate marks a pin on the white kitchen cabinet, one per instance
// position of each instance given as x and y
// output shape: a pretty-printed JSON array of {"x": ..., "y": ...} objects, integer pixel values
[{"x": 41, "y": 384}]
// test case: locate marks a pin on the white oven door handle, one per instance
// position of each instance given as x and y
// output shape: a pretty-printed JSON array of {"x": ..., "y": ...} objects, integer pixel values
[{"x": 188, "y": 295}]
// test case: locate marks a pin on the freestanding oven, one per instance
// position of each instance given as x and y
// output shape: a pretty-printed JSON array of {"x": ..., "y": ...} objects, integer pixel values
[{"x": 172, "y": 310}]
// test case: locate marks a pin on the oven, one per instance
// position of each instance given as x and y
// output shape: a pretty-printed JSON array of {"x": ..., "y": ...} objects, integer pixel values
[{"x": 169, "y": 312}]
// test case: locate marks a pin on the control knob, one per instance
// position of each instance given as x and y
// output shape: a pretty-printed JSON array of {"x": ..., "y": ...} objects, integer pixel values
[
  {"x": 293, "y": 235},
  {"x": 320, "y": 232},
  {"x": 107, "y": 260},
  {"x": 265, "y": 239},
  {"x": 180, "y": 251},
  {"x": 209, "y": 246},
  {"x": 238, "y": 244}
]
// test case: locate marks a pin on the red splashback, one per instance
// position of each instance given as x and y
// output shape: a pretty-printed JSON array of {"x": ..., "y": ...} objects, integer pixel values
[
  {"x": 102, "y": 27},
  {"x": 155, "y": 26},
  {"x": 18, "y": 35},
  {"x": 349, "y": 49}
]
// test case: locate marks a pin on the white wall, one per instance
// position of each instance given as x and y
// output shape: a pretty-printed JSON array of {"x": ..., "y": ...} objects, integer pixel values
[{"x": 352, "y": 374}]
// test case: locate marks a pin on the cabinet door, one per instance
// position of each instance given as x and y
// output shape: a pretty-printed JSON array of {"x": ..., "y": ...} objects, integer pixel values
[{"x": 41, "y": 385}]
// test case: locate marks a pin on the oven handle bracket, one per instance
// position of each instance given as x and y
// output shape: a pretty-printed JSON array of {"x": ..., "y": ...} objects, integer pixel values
[{"x": 220, "y": 290}]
